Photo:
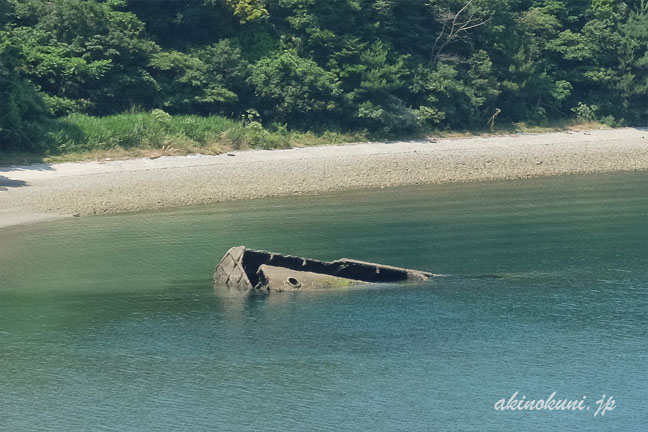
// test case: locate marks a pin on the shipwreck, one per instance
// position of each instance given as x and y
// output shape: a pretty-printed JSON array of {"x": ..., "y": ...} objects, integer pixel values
[{"x": 248, "y": 269}]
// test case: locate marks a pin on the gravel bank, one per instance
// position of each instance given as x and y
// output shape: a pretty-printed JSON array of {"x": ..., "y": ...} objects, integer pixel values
[{"x": 39, "y": 192}]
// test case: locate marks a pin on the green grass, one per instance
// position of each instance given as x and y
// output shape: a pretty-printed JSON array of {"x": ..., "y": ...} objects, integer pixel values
[
  {"x": 156, "y": 130},
  {"x": 153, "y": 134},
  {"x": 521, "y": 127},
  {"x": 81, "y": 137}
]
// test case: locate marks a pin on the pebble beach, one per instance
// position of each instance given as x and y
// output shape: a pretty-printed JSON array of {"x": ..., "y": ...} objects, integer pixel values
[{"x": 47, "y": 191}]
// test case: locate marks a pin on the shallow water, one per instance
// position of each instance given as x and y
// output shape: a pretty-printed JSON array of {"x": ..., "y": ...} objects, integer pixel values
[{"x": 112, "y": 323}]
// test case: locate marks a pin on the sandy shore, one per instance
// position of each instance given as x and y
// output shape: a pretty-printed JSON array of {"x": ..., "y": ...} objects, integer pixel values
[{"x": 40, "y": 192}]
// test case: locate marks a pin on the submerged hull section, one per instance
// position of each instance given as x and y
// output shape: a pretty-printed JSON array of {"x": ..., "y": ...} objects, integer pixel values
[{"x": 247, "y": 269}]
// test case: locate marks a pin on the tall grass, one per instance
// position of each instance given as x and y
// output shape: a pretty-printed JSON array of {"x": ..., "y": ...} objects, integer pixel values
[
  {"x": 154, "y": 130},
  {"x": 156, "y": 133}
]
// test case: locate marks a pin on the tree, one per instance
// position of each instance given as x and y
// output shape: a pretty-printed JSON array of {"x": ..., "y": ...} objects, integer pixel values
[
  {"x": 445, "y": 98},
  {"x": 185, "y": 85},
  {"x": 6, "y": 10},
  {"x": 455, "y": 26},
  {"x": 248, "y": 10},
  {"x": 226, "y": 67},
  {"x": 633, "y": 59},
  {"x": 386, "y": 66},
  {"x": 291, "y": 88},
  {"x": 83, "y": 55},
  {"x": 379, "y": 107},
  {"x": 21, "y": 108}
]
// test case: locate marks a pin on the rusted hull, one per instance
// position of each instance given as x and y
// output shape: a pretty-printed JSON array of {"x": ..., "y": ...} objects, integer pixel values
[{"x": 248, "y": 269}]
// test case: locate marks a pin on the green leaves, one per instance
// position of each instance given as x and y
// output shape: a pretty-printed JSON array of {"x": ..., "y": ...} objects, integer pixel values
[
  {"x": 391, "y": 67},
  {"x": 58, "y": 70},
  {"x": 21, "y": 107},
  {"x": 633, "y": 59},
  {"x": 380, "y": 75},
  {"x": 446, "y": 98},
  {"x": 185, "y": 85},
  {"x": 571, "y": 46},
  {"x": 83, "y": 55},
  {"x": 291, "y": 88},
  {"x": 248, "y": 10}
]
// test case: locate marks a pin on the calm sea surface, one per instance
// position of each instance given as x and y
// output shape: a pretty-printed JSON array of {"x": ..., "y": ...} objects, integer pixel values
[{"x": 113, "y": 323}]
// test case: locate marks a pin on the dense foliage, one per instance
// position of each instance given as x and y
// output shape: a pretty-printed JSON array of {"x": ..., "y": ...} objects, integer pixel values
[{"x": 390, "y": 67}]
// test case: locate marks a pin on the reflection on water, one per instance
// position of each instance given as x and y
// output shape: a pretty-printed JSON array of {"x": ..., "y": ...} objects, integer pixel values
[{"x": 114, "y": 322}]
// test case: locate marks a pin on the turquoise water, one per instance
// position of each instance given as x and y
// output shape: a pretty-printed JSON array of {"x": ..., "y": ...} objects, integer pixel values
[{"x": 112, "y": 323}]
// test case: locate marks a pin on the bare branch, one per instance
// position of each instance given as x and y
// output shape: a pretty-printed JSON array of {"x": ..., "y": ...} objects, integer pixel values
[
  {"x": 472, "y": 24},
  {"x": 457, "y": 28},
  {"x": 438, "y": 38},
  {"x": 476, "y": 25},
  {"x": 463, "y": 8}
]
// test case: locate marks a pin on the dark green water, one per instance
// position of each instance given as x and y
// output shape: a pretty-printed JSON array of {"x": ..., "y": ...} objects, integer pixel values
[{"x": 112, "y": 323}]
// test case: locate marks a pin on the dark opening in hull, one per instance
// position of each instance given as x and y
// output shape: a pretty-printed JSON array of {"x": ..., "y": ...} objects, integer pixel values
[{"x": 248, "y": 268}]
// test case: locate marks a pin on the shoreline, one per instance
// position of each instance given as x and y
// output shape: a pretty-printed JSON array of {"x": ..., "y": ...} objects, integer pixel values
[{"x": 36, "y": 193}]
